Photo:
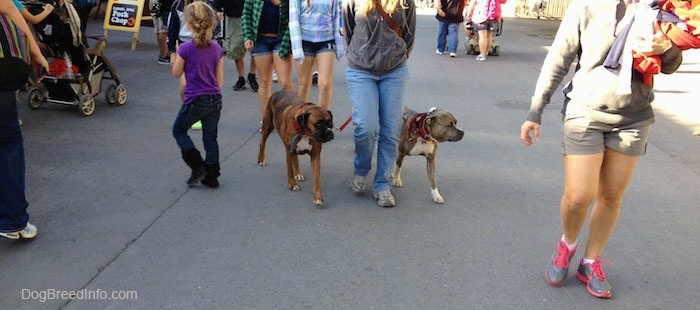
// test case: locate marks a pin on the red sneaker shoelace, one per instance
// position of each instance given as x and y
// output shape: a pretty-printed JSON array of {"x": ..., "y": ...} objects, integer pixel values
[
  {"x": 597, "y": 268},
  {"x": 562, "y": 258}
]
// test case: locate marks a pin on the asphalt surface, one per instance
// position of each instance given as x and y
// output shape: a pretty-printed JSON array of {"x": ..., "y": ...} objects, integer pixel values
[{"x": 119, "y": 228}]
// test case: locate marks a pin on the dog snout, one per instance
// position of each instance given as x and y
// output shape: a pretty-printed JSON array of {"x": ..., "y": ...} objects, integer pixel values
[
  {"x": 325, "y": 135},
  {"x": 458, "y": 135}
]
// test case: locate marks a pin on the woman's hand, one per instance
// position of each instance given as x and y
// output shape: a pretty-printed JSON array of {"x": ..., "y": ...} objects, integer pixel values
[
  {"x": 525, "y": 132},
  {"x": 249, "y": 45}
]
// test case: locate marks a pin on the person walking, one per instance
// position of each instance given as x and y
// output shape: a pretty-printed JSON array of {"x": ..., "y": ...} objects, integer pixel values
[
  {"x": 449, "y": 16},
  {"x": 266, "y": 35},
  {"x": 201, "y": 62},
  {"x": 230, "y": 11},
  {"x": 379, "y": 36},
  {"x": 314, "y": 27},
  {"x": 485, "y": 16},
  {"x": 607, "y": 117},
  {"x": 15, "y": 32},
  {"x": 160, "y": 13}
]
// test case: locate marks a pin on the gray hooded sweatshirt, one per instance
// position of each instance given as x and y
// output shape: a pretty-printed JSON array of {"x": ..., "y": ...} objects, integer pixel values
[
  {"x": 371, "y": 44},
  {"x": 587, "y": 33}
]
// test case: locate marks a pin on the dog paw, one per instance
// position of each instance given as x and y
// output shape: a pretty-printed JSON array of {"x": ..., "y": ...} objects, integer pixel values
[
  {"x": 262, "y": 163},
  {"x": 318, "y": 203},
  {"x": 397, "y": 183},
  {"x": 300, "y": 177},
  {"x": 294, "y": 187},
  {"x": 437, "y": 198}
]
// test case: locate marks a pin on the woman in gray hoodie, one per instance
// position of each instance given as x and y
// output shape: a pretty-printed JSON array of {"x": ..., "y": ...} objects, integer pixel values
[
  {"x": 607, "y": 117},
  {"x": 377, "y": 75}
]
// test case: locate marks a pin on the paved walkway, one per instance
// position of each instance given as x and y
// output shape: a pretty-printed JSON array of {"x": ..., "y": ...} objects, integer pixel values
[{"x": 118, "y": 226}]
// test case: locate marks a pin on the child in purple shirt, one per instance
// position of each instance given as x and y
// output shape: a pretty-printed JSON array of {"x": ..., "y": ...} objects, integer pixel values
[{"x": 201, "y": 61}]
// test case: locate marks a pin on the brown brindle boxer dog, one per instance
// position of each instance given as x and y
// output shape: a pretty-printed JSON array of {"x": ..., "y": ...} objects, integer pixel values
[
  {"x": 420, "y": 135},
  {"x": 303, "y": 128}
]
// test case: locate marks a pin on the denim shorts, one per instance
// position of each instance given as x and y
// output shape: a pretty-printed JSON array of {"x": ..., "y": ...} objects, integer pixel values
[
  {"x": 490, "y": 25},
  {"x": 583, "y": 136},
  {"x": 266, "y": 46},
  {"x": 314, "y": 48}
]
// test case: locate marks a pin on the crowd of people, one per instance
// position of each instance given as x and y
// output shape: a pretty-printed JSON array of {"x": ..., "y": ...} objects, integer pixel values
[{"x": 606, "y": 129}]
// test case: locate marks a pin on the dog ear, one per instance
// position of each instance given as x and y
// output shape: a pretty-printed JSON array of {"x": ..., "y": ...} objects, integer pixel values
[
  {"x": 331, "y": 114},
  {"x": 303, "y": 118}
]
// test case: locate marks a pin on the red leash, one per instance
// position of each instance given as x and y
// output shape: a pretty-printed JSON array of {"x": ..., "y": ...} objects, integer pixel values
[{"x": 347, "y": 121}]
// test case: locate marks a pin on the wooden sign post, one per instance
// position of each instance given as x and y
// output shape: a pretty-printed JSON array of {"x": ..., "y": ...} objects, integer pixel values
[{"x": 124, "y": 15}]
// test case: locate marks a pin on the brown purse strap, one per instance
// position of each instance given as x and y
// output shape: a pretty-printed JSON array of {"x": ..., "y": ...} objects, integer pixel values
[{"x": 392, "y": 24}]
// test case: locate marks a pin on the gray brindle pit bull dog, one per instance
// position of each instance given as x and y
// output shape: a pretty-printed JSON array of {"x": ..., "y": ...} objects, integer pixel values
[
  {"x": 303, "y": 128},
  {"x": 421, "y": 134}
]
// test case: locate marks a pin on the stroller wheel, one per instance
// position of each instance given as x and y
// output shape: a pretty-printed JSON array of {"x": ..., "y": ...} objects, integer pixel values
[
  {"x": 35, "y": 98},
  {"x": 121, "y": 94},
  {"x": 111, "y": 94},
  {"x": 87, "y": 105}
]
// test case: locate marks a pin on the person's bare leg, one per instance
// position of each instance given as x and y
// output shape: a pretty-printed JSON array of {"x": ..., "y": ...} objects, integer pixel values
[
  {"x": 162, "y": 39},
  {"x": 326, "y": 68},
  {"x": 283, "y": 66},
  {"x": 581, "y": 174},
  {"x": 304, "y": 76},
  {"x": 615, "y": 175},
  {"x": 264, "y": 66}
]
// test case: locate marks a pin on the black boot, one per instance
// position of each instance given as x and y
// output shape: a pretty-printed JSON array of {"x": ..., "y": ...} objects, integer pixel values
[
  {"x": 212, "y": 173},
  {"x": 194, "y": 159}
]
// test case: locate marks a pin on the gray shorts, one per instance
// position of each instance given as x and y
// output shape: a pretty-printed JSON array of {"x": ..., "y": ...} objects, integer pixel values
[
  {"x": 583, "y": 136},
  {"x": 159, "y": 25},
  {"x": 234, "y": 46}
]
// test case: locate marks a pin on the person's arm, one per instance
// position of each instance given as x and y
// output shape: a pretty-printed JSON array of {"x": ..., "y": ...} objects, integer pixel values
[
  {"x": 220, "y": 73},
  {"x": 9, "y": 9},
  {"x": 409, "y": 31},
  {"x": 439, "y": 8},
  {"x": 173, "y": 28},
  {"x": 35, "y": 19},
  {"x": 247, "y": 25}
]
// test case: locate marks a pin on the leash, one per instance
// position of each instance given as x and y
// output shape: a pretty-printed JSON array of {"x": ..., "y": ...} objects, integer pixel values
[{"x": 347, "y": 122}]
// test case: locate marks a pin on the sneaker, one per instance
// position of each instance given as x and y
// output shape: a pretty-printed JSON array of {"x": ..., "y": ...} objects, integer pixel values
[
  {"x": 558, "y": 268},
  {"x": 28, "y": 232},
  {"x": 385, "y": 199},
  {"x": 594, "y": 278},
  {"x": 253, "y": 82},
  {"x": 314, "y": 78},
  {"x": 453, "y": 55},
  {"x": 358, "y": 184},
  {"x": 274, "y": 76},
  {"x": 197, "y": 125},
  {"x": 240, "y": 85},
  {"x": 438, "y": 52},
  {"x": 163, "y": 60},
  {"x": 480, "y": 57}
]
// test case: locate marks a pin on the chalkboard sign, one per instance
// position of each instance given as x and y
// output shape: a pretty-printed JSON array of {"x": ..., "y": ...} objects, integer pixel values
[{"x": 124, "y": 15}]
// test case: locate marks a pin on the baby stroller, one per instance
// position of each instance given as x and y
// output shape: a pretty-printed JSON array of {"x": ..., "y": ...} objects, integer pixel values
[
  {"x": 471, "y": 44},
  {"x": 76, "y": 71}
]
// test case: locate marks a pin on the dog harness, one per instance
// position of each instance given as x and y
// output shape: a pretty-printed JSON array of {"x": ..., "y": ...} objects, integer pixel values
[{"x": 416, "y": 127}]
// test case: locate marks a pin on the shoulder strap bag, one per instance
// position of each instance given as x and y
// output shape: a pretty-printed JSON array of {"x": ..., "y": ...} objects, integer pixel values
[{"x": 392, "y": 24}]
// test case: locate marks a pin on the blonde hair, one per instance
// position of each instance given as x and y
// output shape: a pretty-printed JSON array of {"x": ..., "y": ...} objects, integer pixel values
[
  {"x": 388, "y": 5},
  {"x": 201, "y": 18}
]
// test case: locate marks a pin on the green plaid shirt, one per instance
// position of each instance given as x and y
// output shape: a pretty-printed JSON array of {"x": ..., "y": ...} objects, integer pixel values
[{"x": 251, "y": 19}]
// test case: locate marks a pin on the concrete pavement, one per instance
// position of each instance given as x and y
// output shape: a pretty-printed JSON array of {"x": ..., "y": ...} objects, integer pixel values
[{"x": 117, "y": 221}]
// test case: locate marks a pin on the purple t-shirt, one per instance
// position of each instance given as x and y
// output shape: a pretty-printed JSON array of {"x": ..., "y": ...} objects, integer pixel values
[{"x": 200, "y": 69}]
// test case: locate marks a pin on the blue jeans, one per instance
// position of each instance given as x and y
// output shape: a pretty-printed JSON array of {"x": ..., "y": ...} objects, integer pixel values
[
  {"x": 13, "y": 204},
  {"x": 206, "y": 108},
  {"x": 448, "y": 30},
  {"x": 377, "y": 113}
]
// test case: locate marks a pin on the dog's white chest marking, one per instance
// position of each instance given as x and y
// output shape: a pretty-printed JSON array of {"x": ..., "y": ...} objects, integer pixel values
[
  {"x": 304, "y": 145},
  {"x": 422, "y": 147}
]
